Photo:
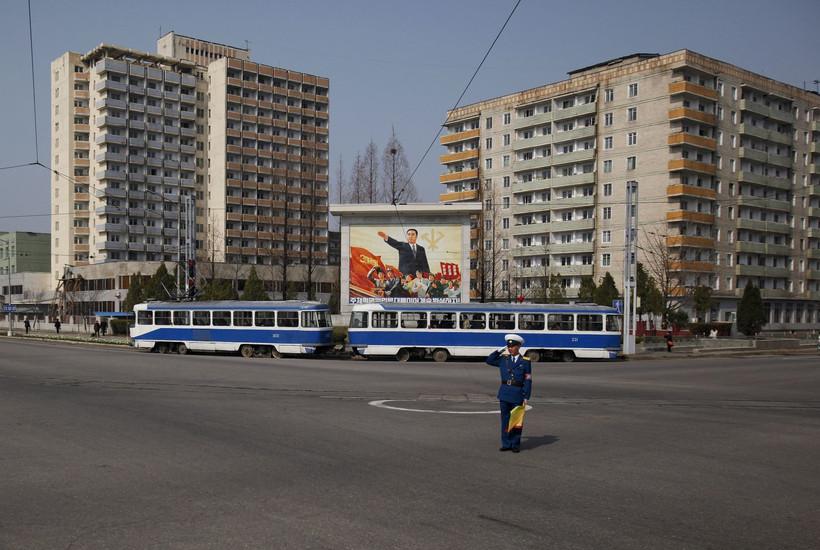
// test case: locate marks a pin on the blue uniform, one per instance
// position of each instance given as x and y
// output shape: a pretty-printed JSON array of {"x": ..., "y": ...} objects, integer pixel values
[{"x": 516, "y": 386}]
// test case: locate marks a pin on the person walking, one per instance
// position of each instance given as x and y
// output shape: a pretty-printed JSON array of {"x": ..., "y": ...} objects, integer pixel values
[
  {"x": 669, "y": 342},
  {"x": 57, "y": 325},
  {"x": 96, "y": 328},
  {"x": 516, "y": 387},
  {"x": 104, "y": 326},
  {"x": 27, "y": 324}
]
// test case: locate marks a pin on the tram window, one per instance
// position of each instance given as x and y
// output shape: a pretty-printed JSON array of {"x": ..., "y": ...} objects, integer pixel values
[
  {"x": 385, "y": 319},
  {"x": 309, "y": 319},
  {"x": 324, "y": 319},
  {"x": 162, "y": 317},
  {"x": 358, "y": 319},
  {"x": 243, "y": 318},
  {"x": 531, "y": 321},
  {"x": 145, "y": 317},
  {"x": 265, "y": 318},
  {"x": 560, "y": 321},
  {"x": 613, "y": 323},
  {"x": 181, "y": 317},
  {"x": 222, "y": 318},
  {"x": 502, "y": 321},
  {"x": 591, "y": 323},
  {"x": 445, "y": 321},
  {"x": 202, "y": 318},
  {"x": 288, "y": 319},
  {"x": 413, "y": 319},
  {"x": 473, "y": 321}
]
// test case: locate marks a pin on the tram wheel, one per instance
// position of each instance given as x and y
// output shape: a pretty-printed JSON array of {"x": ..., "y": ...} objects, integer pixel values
[
  {"x": 534, "y": 356},
  {"x": 161, "y": 348},
  {"x": 441, "y": 355},
  {"x": 275, "y": 354},
  {"x": 246, "y": 351},
  {"x": 403, "y": 355},
  {"x": 567, "y": 357},
  {"x": 182, "y": 349}
]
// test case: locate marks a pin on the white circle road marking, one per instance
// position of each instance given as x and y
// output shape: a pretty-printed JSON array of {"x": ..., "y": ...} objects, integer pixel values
[{"x": 381, "y": 404}]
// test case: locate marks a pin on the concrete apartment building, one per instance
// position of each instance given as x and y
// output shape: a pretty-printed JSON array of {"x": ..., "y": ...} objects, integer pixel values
[
  {"x": 727, "y": 165},
  {"x": 136, "y": 136},
  {"x": 24, "y": 271}
]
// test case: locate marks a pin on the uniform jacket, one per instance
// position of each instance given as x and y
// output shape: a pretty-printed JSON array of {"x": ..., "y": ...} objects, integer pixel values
[
  {"x": 519, "y": 371},
  {"x": 410, "y": 263}
]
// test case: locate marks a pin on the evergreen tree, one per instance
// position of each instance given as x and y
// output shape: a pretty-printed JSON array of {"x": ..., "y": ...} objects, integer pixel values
[
  {"x": 702, "y": 298},
  {"x": 135, "y": 293},
  {"x": 557, "y": 294},
  {"x": 218, "y": 289},
  {"x": 159, "y": 283},
  {"x": 606, "y": 291},
  {"x": 751, "y": 316},
  {"x": 587, "y": 290},
  {"x": 254, "y": 289}
]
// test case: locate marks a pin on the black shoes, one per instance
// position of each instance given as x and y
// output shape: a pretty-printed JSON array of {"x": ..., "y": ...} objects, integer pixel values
[
  {"x": 502, "y": 449},
  {"x": 516, "y": 450}
]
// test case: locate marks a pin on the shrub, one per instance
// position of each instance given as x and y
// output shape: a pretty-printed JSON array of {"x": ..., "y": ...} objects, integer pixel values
[{"x": 119, "y": 327}]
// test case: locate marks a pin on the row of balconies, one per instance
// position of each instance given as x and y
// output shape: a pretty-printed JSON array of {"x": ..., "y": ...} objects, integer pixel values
[{"x": 761, "y": 109}]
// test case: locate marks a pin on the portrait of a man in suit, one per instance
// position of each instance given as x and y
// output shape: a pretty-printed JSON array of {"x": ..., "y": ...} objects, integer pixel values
[{"x": 412, "y": 256}]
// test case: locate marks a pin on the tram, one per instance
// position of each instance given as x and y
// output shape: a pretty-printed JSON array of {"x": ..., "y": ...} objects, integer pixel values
[
  {"x": 550, "y": 331},
  {"x": 251, "y": 328}
]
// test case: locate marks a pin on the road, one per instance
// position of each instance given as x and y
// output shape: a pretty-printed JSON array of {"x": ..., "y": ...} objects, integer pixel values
[{"x": 114, "y": 448}]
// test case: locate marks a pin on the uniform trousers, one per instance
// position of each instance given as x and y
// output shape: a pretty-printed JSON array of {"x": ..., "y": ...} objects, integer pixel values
[{"x": 509, "y": 439}]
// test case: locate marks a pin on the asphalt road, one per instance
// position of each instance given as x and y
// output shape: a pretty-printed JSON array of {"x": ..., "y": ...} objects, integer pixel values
[{"x": 113, "y": 448}]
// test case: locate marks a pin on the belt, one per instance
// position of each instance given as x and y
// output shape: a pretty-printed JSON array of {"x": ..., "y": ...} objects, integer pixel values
[{"x": 512, "y": 383}]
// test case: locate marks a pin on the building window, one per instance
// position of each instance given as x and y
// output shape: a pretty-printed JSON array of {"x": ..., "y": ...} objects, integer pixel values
[
  {"x": 607, "y": 213},
  {"x": 505, "y": 223},
  {"x": 505, "y": 202},
  {"x": 506, "y": 139},
  {"x": 607, "y": 189},
  {"x": 633, "y": 89},
  {"x": 488, "y": 143},
  {"x": 488, "y": 123},
  {"x": 607, "y": 166},
  {"x": 632, "y": 114},
  {"x": 505, "y": 161},
  {"x": 506, "y": 118},
  {"x": 632, "y": 138},
  {"x": 608, "y": 119},
  {"x": 606, "y": 236},
  {"x": 631, "y": 163},
  {"x": 608, "y": 142},
  {"x": 488, "y": 164},
  {"x": 506, "y": 180},
  {"x": 606, "y": 260},
  {"x": 609, "y": 95}
]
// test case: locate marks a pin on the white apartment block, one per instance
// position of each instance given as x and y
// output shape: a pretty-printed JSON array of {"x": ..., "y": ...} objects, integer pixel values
[
  {"x": 135, "y": 135},
  {"x": 726, "y": 162}
]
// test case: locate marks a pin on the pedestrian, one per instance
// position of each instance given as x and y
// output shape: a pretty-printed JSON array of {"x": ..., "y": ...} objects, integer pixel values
[
  {"x": 669, "y": 342},
  {"x": 516, "y": 387},
  {"x": 96, "y": 328},
  {"x": 104, "y": 326},
  {"x": 57, "y": 325},
  {"x": 27, "y": 324}
]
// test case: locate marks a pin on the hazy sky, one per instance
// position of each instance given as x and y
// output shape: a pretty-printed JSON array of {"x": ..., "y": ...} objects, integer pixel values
[{"x": 390, "y": 63}]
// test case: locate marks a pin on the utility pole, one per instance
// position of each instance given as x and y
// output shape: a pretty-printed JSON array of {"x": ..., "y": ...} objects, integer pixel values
[
  {"x": 393, "y": 197},
  {"x": 630, "y": 234},
  {"x": 9, "y": 306}
]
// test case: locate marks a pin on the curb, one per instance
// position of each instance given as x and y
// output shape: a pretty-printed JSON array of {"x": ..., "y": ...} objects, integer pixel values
[{"x": 66, "y": 341}]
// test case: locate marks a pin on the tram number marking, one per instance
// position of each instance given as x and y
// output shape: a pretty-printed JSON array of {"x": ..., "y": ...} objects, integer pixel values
[{"x": 573, "y": 339}]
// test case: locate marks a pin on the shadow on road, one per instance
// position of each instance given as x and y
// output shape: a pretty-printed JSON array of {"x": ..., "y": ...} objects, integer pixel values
[{"x": 537, "y": 441}]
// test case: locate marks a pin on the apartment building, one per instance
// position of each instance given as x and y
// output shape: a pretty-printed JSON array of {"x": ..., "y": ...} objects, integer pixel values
[
  {"x": 137, "y": 138},
  {"x": 727, "y": 167}
]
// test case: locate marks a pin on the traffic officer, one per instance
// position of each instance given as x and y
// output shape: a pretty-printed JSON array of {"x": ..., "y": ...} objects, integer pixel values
[{"x": 516, "y": 386}]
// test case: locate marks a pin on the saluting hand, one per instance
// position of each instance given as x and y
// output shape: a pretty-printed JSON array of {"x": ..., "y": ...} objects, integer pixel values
[{"x": 382, "y": 234}]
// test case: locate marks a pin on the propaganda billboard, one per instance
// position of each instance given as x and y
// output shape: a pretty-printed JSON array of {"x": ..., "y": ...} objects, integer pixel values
[{"x": 392, "y": 263}]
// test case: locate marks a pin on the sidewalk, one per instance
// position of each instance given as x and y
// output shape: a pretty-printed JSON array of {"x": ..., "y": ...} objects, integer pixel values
[
  {"x": 73, "y": 337},
  {"x": 726, "y": 352}
]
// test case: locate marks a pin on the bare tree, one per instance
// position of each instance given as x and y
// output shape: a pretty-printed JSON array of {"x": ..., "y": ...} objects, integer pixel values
[
  {"x": 357, "y": 188},
  {"x": 374, "y": 193},
  {"x": 663, "y": 265},
  {"x": 340, "y": 180},
  {"x": 396, "y": 181}
]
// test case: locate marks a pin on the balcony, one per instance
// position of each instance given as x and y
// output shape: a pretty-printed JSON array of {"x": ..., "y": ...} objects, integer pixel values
[
  {"x": 689, "y": 241},
  {"x": 534, "y": 250},
  {"x": 813, "y": 232},
  {"x": 109, "y": 210},
  {"x": 768, "y": 181},
  {"x": 681, "y": 190},
  {"x": 570, "y": 248},
  {"x": 583, "y": 155},
  {"x": 687, "y": 216},
  {"x": 531, "y": 143},
  {"x": 760, "y": 202},
  {"x": 683, "y": 138},
  {"x": 459, "y": 157},
  {"x": 110, "y": 192},
  {"x": 460, "y": 136},
  {"x": 535, "y": 120},
  {"x": 572, "y": 270},
  {"x": 112, "y": 245},
  {"x": 769, "y": 112},
  {"x": 682, "y": 113},
  {"x": 813, "y": 274},
  {"x": 530, "y": 186},
  {"x": 574, "y": 225},
  {"x": 458, "y": 196},
  {"x": 576, "y": 134},
  {"x": 458, "y": 176},
  {"x": 531, "y": 207},
  {"x": 811, "y": 253},
  {"x": 814, "y": 190},
  {"x": 762, "y": 133},
  {"x": 763, "y": 157},
  {"x": 110, "y": 175},
  {"x": 558, "y": 182},
  {"x": 763, "y": 226},
  {"x": 813, "y": 212},
  {"x": 531, "y": 229},
  {"x": 762, "y": 271},
  {"x": 110, "y": 138},
  {"x": 692, "y": 166},
  {"x": 762, "y": 248},
  {"x": 572, "y": 202},
  {"x": 576, "y": 111},
  {"x": 691, "y": 266},
  {"x": 532, "y": 164},
  {"x": 684, "y": 87}
]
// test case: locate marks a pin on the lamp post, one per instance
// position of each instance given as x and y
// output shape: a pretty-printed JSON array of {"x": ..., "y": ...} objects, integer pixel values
[{"x": 10, "y": 331}]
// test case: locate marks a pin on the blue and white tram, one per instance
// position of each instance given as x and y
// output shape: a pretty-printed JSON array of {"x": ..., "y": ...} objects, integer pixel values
[
  {"x": 252, "y": 328},
  {"x": 555, "y": 331}
]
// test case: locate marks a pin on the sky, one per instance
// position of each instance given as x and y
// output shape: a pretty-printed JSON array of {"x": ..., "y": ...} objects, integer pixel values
[{"x": 392, "y": 64}]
